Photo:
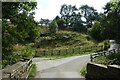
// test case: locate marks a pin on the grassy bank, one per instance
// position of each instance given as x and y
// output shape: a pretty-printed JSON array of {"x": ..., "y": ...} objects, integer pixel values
[
  {"x": 83, "y": 71},
  {"x": 32, "y": 72}
]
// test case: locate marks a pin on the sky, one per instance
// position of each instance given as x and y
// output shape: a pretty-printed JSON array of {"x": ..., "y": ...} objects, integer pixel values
[{"x": 49, "y": 9}]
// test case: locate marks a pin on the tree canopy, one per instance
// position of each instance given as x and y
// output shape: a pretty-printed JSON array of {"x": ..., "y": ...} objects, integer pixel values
[
  {"x": 18, "y": 24},
  {"x": 109, "y": 22}
]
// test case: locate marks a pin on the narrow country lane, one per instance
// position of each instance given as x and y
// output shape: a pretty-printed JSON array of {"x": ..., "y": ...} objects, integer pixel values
[{"x": 61, "y": 68}]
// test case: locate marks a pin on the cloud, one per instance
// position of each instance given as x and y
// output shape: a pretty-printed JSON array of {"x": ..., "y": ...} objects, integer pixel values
[{"x": 49, "y": 9}]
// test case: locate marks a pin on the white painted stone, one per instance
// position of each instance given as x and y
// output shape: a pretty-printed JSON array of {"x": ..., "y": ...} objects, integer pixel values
[{"x": 114, "y": 45}]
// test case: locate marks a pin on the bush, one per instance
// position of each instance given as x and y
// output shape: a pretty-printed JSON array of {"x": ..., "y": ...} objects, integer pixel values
[
  {"x": 95, "y": 31},
  {"x": 61, "y": 24},
  {"x": 79, "y": 27},
  {"x": 108, "y": 60},
  {"x": 53, "y": 27},
  {"x": 26, "y": 52}
]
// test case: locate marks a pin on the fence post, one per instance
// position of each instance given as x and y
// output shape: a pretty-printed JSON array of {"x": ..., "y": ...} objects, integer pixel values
[
  {"x": 51, "y": 52},
  {"x": 58, "y": 52},
  {"x": 91, "y": 48},
  {"x": 91, "y": 58},
  {"x": 44, "y": 53},
  {"x": 66, "y": 51},
  {"x": 73, "y": 50},
  {"x": 79, "y": 49}
]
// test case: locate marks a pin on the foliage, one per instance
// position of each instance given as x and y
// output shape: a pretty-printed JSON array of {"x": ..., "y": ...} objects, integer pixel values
[
  {"x": 32, "y": 72},
  {"x": 107, "y": 25},
  {"x": 60, "y": 23},
  {"x": 112, "y": 10},
  {"x": 17, "y": 55},
  {"x": 44, "y": 21},
  {"x": 67, "y": 12},
  {"x": 79, "y": 27},
  {"x": 89, "y": 13},
  {"x": 109, "y": 59},
  {"x": 95, "y": 31},
  {"x": 18, "y": 27},
  {"x": 72, "y": 17},
  {"x": 83, "y": 71},
  {"x": 53, "y": 27},
  {"x": 27, "y": 52},
  {"x": 8, "y": 35}
]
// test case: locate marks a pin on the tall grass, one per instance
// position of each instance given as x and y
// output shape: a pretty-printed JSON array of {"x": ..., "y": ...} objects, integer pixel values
[{"x": 24, "y": 52}]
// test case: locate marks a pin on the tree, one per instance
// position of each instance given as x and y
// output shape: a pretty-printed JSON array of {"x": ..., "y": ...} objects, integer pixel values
[
  {"x": 108, "y": 26},
  {"x": 95, "y": 31},
  {"x": 77, "y": 23},
  {"x": 18, "y": 26},
  {"x": 44, "y": 22},
  {"x": 60, "y": 23},
  {"x": 89, "y": 13},
  {"x": 53, "y": 27},
  {"x": 67, "y": 12},
  {"x": 112, "y": 10},
  {"x": 72, "y": 17}
]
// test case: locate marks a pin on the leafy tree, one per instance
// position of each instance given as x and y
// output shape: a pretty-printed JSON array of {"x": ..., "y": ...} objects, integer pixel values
[
  {"x": 18, "y": 26},
  {"x": 77, "y": 23},
  {"x": 53, "y": 27},
  {"x": 89, "y": 13},
  {"x": 67, "y": 12},
  {"x": 112, "y": 10},
  {"x": 44, "y": 22},
  {"x": 60, "y": 23},
  {"x": 108, "y": 26},
  {"x": 95, "y": 31}
]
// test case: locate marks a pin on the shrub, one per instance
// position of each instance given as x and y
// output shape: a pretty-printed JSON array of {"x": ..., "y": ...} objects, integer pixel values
[
  {"x": 53, "y": 27},
  {"x": 27, "y": 52},
  {"x": 61, "y": 24},
  {"x": 95, "y": 31},
  {"x": 109, "y": 59}
]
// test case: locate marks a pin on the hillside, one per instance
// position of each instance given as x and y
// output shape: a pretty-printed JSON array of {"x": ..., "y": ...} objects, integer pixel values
[{"x": 64, "y": 39}]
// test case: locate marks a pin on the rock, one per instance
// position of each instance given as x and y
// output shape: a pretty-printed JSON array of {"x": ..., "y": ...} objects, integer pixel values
[{"x": 113, "y": 45}]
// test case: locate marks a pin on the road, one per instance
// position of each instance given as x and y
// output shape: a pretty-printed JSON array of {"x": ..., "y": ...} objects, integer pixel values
[{"x": 61, "y": 68}]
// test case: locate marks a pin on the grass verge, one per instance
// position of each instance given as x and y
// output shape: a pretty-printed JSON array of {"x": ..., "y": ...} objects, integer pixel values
[
  {"x": 83, "y": 71},
  {"x": 53, "y": 57},
  {"x": 32, "y": 72}
]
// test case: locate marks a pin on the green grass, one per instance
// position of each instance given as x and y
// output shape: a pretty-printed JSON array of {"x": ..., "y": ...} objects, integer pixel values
[
  {"x": 32, "y": 72},
  {"x": 53, "y": 57},
  {"x": 101, "y": 60},
  {"x": 83, "y": 71},
  {"x": 58, "y": 41}
]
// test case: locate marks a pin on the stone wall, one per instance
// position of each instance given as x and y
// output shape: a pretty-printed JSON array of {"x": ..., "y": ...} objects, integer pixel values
[
  {"x": 18, "y": 70},
  {"x": 102, "y": 72}
]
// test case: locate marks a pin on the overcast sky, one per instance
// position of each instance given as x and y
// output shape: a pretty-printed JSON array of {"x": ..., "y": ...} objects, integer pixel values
[{"x": 49, "y": 9}]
